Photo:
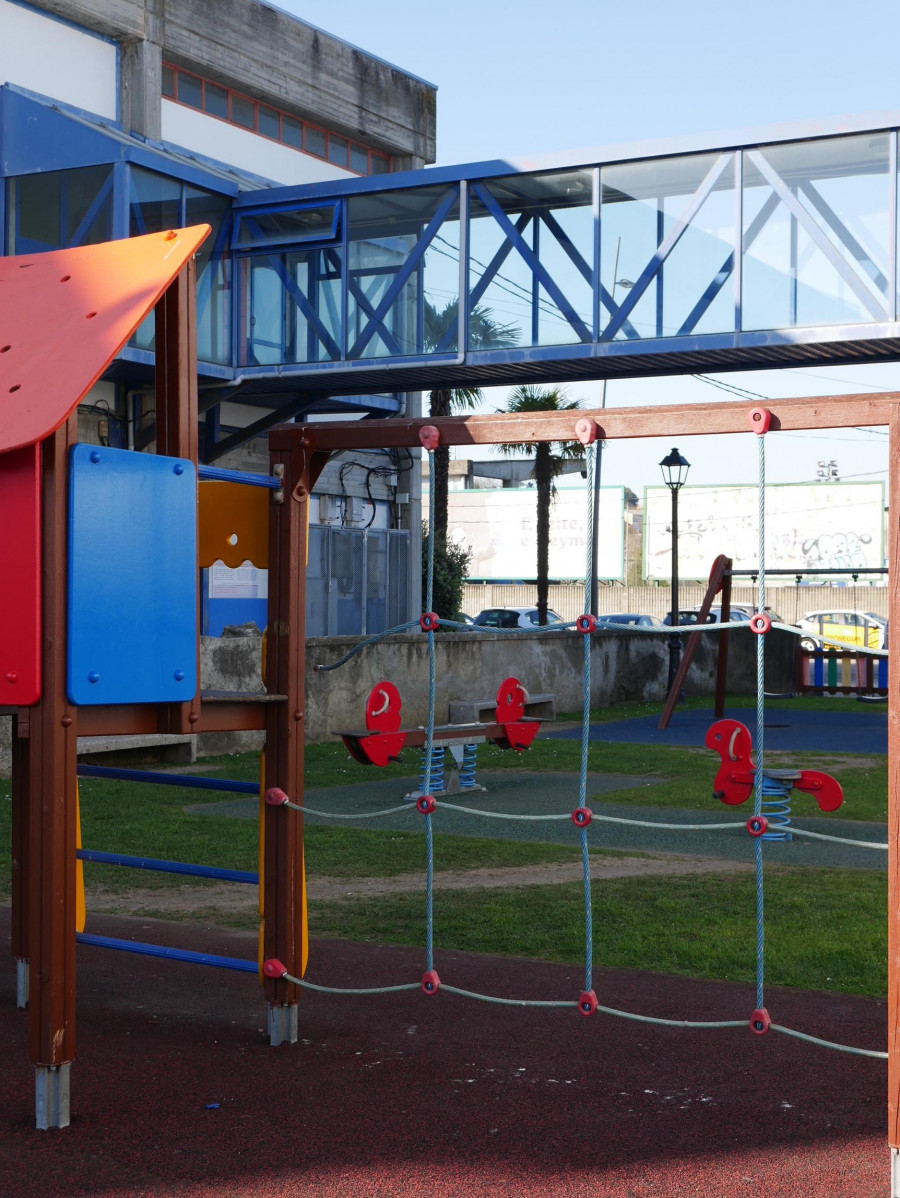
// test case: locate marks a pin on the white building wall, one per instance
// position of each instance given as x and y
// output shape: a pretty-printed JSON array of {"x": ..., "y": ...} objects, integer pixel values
[
  {"x": 56, "y": 59},
  {"x": 247, "y": 151}
]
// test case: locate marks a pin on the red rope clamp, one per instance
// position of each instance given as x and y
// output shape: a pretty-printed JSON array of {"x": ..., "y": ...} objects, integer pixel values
[
  {"x": 582, "y": 816},
  {"x": 757, "y": 825},
  {"x": 429, "y": 621},
  {"x": 760, "y": 419},
  {"x": 429, "y": 436},
  {"x": 587, "y": 1004},
  {"x": 431, "y": 983},
  {"x": 425, "y": 804},
  {"x": 760, "y": 1021},
  {"x": 586, "y": 623},
  {"x": 760, "y": 623},
  {"x": 275, "y": 797},
  {"x": 273, "y": 968},
  {"x": 586, "y": 430}
]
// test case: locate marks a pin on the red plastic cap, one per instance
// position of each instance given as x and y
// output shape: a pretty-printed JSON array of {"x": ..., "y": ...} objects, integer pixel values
[
  {"x": 760, "y": 623},
  {"x": 760, "y": 419},
  {"x": 273, "y": 968},
  {"x": 425, "y": 804},
  {"x": 431, "y": 983},
  {"x": 429, "y": 621},
  {"x": 586, "y": 430},
  {"x": 757, "y": 825},
  {"x": 587, "y": 1004},
  {"x": 582, "y": 816},
  {"x": 586, "y": 623},
  {"x": 760, "y": 1021},
  {"x": 429, "y": 436},
  {"x": 276, "y": 797}
]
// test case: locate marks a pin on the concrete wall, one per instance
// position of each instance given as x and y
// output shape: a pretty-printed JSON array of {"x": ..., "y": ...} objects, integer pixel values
[
  {"x": 624, "y": 667},
  {"x": 269, "y": 54}
]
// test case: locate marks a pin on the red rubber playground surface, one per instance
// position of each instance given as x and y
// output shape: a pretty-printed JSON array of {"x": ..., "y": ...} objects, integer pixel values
[{"x": 176, "y": 1093}]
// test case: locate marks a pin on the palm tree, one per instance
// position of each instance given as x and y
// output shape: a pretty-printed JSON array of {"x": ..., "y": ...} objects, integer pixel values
[
  {"x": 548, "y": 459},
  {"x": 484, "y": 333}
]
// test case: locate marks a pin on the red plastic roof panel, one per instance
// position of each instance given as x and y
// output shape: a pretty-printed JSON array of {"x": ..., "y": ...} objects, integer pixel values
[{"x": 64, "y": 316}]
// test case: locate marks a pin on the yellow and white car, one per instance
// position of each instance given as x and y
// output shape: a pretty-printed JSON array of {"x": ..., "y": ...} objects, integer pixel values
[{"x": 848, "y": 626}]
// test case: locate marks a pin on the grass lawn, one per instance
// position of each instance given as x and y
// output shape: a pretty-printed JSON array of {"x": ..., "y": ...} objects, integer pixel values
[{"x": 825, "y": 928}]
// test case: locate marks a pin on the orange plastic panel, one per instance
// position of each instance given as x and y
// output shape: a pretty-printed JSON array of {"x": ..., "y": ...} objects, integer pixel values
[
  {"x": 65, "y": 315},
  {"x": 234, "y": 524},
  {"x": 20, "y": 572}
]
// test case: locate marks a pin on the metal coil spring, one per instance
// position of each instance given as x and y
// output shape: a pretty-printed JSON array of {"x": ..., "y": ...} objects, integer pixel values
[
  {"x": 467, "y": 769},
  {"x": 776, "y": 807},
  {"x": 437, "y": 771}
]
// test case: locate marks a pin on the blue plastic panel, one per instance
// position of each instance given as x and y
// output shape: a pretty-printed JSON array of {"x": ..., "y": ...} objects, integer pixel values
[{"x": 132, "y": 577}]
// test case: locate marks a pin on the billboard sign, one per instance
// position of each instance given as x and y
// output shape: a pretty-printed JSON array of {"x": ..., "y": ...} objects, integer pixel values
[
  {"x": 808, "y": 526},
  {"x": 499, "y": 525}
]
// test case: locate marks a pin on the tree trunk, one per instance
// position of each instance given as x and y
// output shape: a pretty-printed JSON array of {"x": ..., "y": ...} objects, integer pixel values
[
  {"x": 441, "y": 404},
  {"x": 543, "y": 479}
]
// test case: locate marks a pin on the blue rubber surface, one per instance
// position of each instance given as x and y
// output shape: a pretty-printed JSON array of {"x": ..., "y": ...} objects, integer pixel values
[{"x": 784, "y": 730}]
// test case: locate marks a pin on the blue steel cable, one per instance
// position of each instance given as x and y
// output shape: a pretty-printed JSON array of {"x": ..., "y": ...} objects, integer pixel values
[
  {"x": 429, "y": 734},
  {"x": 370, "y": 640},
  {"x": 590, "y": 455},
  {"x": 760, "y": 725}
]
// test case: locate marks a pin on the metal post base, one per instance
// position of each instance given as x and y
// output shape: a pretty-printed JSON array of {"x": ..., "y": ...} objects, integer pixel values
[
  {"x": 895, "y": 1173},
  {"x": 21, "y": 982},
  {"x": 282, "y": 1023},
  {"x": 51, "y": 1096}
]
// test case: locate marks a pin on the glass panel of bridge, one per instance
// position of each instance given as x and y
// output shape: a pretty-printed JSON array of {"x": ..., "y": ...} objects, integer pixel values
[
  {"x": 293, "y": 307},
  {"x": 816, "y": 233},
  {"x": 667, "y": 247},
  {"x": 155, "y": 205},
  {"x": 403, "y": 272},
  {"x": 531, "y": 254}
]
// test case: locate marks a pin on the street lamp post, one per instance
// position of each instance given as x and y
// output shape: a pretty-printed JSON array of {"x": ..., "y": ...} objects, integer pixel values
[{"x": 674, "y": 471}]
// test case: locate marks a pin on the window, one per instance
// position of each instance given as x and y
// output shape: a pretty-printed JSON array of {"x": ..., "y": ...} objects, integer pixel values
[{"x": 227, "y": 105}]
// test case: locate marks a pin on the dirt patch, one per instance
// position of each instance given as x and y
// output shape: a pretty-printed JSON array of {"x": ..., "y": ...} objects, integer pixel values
[{"x": 227, "y": 899}]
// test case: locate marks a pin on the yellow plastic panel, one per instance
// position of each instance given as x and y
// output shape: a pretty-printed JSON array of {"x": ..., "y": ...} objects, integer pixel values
[{"x": 234, "y": 525}]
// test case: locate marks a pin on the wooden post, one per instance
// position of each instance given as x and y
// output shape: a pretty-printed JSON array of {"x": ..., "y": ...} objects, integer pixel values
[
  {"x": 722, "y": 656},
  {"x": 19, "y": 940},
  {"x": 893, "y": 548},
  {"x": 51, "y": 789},
  {"x": 282, "y": 873},
  {"x": 177, "y": 432}
]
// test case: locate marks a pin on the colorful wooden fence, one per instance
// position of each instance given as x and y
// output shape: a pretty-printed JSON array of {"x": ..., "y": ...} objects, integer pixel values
[{"x": 841, "y": 672}]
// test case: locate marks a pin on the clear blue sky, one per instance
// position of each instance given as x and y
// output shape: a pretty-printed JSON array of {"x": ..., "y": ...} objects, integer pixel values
[{"x": 516, "y": 80}]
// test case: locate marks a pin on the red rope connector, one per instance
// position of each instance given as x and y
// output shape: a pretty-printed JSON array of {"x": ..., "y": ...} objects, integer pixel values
[
  {"x": 582, "y": 816},
  {"x": 760, "y": 1021},
  {"x": 429, "y": 621},
  {"x": 275, "y": 797},
  {"x": 586, "y": 430},
  {"x": 273, "y": 968},
  {"x": 760, "y": 623},
  {"x": 757, "y": 825},
  {"x": 586, "y": 623},
  {"x": 425, "y": 804},
  {"x": 587, "y": 1004},
  {"x": 429, "y": 436},
  {"x": 431, "y": 983},
  {"x": 760, "y": 419}
]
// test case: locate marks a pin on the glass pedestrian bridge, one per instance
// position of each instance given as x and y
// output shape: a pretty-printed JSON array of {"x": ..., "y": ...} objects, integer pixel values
[{"x": 780, "y": 251}]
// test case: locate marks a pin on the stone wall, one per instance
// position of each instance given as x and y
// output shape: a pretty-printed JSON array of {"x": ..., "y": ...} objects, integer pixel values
[{"x": 625, "y": 667}]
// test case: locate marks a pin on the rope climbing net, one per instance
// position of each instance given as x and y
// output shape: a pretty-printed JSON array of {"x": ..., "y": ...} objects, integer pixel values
[{"x": 770, "y": 788}]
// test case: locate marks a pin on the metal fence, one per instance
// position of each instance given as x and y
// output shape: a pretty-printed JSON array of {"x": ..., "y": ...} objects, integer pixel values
[{"x": 357, "y": 580}]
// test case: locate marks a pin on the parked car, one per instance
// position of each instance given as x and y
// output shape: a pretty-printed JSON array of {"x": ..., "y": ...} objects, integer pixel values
[
  {"x": 631, "y": 620},
  {"x": 691, "y": 615},
  {"x": 847, "y": 625},
  {"x": 463, "y": 618},
  {"x": 513, "y": 617}
]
